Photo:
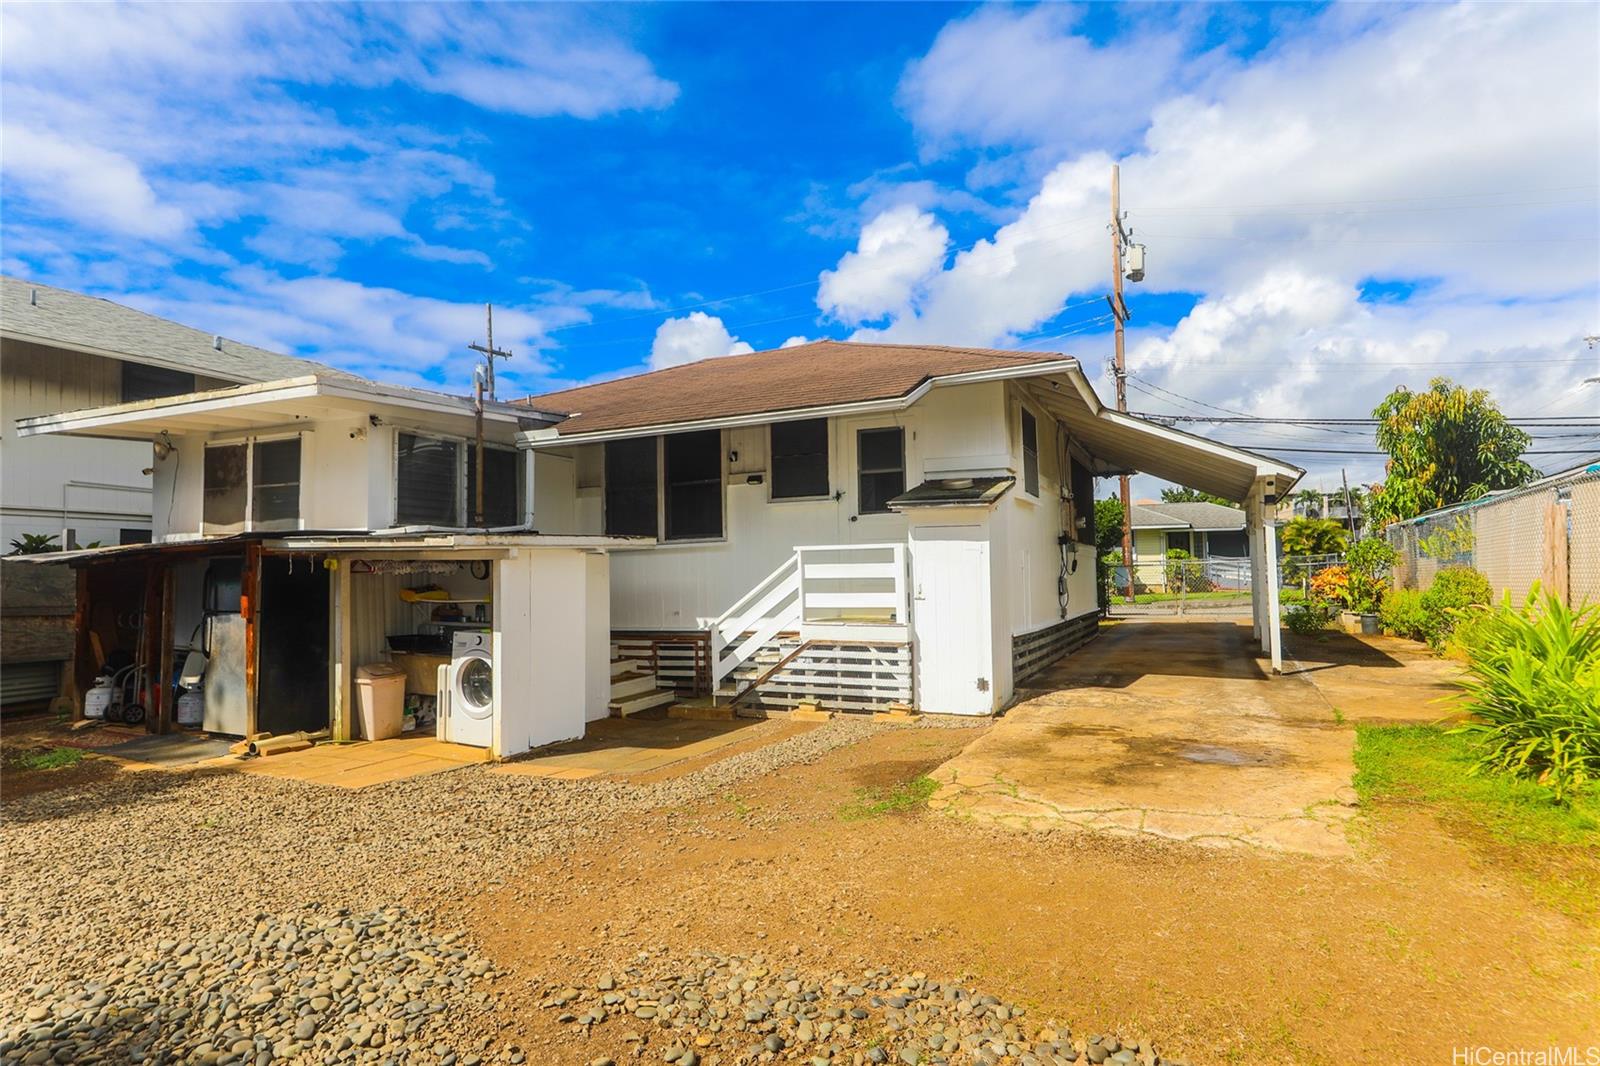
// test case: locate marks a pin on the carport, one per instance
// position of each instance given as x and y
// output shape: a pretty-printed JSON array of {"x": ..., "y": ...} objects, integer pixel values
[{"x": 1123, "y": 444}]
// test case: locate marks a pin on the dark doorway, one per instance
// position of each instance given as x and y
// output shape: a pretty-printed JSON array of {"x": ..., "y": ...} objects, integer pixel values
[{"x": 292, "y": 646}]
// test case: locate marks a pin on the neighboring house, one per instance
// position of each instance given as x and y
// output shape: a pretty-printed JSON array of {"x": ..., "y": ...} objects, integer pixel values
[
  {"x": 1327, "y": 505},
  {"x": 63, "y": 350},
  {"x": 1204, "y": 530},
  {"x": 857, "y": 525}
]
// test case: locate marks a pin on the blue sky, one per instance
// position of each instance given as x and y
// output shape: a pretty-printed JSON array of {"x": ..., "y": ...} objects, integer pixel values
[{"x": 1336, "y": 199}]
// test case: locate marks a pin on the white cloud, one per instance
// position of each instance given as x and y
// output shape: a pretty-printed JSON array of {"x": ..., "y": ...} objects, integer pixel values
[
  {"x": 898, "y": 250},
  {"x": 1022, "y": 78},
  {"x": 1434, "y": 145},
  {"x": 93, "y": 183},
  {"x": 795, "y": 341},
  {"x": 691, "y": 338}
]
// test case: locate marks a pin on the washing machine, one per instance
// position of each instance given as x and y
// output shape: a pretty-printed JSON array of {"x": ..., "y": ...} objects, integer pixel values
[{"x": 467, "y": 716}]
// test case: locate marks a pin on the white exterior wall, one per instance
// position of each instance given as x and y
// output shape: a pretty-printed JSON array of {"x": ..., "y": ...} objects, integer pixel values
[
  {"x": 54, "y": 483},
  {"x": 347, "y": 474},
  {"x": 957, "y": 430},
  {"x": 1032, "y": 554},
  {"x": 551, "y": 647}
]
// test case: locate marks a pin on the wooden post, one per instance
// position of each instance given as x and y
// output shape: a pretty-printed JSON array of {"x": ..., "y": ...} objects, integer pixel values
[
  {"x": 1553, "y": 577},
  {"x": 83, "y": 665},
  {"x": 164, "y": 653},
  {"x": 341, "y": 652},
  {"x": 249, "y": 606},
  {"x": 150, "y": 648}
]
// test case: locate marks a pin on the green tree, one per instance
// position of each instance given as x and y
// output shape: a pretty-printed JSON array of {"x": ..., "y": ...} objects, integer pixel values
[
  {"x": 1187, "y": 495},
  {"x": 1108, "y": 526},
  {"x": 1445, "y": 444},
  {"x": 1314, "y": 536},
  {"x": 1311, "y": 499}
]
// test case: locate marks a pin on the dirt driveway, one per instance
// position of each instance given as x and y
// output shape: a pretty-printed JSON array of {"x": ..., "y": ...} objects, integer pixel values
[{"x": 1171, "y": 728}]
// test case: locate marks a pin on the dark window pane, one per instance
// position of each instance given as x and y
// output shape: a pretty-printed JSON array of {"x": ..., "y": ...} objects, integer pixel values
[
  {"x": 501, "y": 484},
  {"x": 1083, "y": 501},
  {"x": 694, "y": 485},
  {"x": 800, "y": 459},
  {"x": 882, "y": 449},
  {"x": 426, "y": 482},
  {"x": 133, "y": 536},
  {"x": 630, "y": 490},
  {"x": 224, "y": 488},
  {"x": 140, "y": 382},
  {"x": 881, "y": 454},
  {"x": 1030, "y": 453},
  {"x": 275, "y": 482},
  {"x": 878, "y": 489}
]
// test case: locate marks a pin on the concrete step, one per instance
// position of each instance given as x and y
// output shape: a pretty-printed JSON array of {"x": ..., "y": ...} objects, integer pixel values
[
  {"x": 635, "y": 704},
  {"x": 627, "y": 685}
]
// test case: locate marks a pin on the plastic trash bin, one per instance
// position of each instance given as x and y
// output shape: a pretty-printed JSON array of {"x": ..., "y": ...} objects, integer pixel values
[{"x": 381, "y": 700}]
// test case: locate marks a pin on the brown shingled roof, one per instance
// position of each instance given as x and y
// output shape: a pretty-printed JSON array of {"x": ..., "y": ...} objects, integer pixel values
[{"x": 819, "y": 374}]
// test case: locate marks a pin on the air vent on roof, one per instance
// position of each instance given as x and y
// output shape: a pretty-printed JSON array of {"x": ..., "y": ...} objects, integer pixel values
[
  {"x": 216, "y": 342},
  {"x": 33, "y": 297},
  {"x": 955, "y": 482}
]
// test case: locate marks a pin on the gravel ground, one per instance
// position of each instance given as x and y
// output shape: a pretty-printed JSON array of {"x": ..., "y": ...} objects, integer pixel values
[
  {"x": 131, "y": 909},
  {"x": 711, "y": 1009}
]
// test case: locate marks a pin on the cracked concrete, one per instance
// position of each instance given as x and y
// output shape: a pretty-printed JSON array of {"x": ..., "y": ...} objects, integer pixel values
[{"x": 1166, "y": 728}]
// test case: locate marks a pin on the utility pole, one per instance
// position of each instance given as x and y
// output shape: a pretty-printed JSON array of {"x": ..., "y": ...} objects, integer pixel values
[
  {"x": 1349, "y": 512},
  {"x": 482, "y": 377},
  {"x": 1119, "y": 311}
]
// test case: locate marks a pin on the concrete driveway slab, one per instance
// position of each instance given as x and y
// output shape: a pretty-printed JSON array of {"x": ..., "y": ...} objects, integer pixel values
[{"x": 1166, "y": 728}]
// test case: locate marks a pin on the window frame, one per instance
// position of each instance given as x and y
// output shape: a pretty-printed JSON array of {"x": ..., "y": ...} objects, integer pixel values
[
  {"x": 250, "y": 523},
  {"x": 461, "y": 480},
  {"x": 1031, "y": 480},
  {"x": 605, "y": 487},
  {"x": 862, "y": 471},
  {"x": 827, "y": 462}
]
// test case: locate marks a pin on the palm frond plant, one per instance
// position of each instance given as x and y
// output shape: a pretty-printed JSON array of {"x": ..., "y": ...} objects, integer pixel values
[{"x": 1533, "y": 690}]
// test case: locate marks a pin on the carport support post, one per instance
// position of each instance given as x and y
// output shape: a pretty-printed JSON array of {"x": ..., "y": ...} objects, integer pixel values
[
  {"x": 341, "y": 647},
  {"x": 1270, "y": 551}
]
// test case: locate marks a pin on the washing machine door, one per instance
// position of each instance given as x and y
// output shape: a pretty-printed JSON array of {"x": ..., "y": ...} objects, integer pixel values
[{"x": 474, "y": 690}]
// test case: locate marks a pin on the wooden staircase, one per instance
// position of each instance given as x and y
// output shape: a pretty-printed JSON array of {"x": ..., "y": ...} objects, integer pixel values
[
  {"x": 856, "y": 675},
  {"x": 635, "y": 688}
]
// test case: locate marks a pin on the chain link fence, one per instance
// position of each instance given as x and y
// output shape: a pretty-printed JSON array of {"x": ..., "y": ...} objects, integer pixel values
[
  {"x": 1547, "y": 532},
  {"x": 1180, "y": 586}
]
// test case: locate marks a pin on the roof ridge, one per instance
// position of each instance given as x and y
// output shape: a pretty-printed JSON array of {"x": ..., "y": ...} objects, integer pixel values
[{"x": 1042, "y": 356}]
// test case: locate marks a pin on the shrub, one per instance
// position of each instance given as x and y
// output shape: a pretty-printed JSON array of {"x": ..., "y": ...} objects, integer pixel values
[
  {"x": 1403, "y": 615},
  {"x": 1454, "y": 588},
  {"x": 1533, "y": 688},
  {"x": 1372, "y": 557},
  {"x": 1306, "y": 618},
  {"x": 1186, "y": 572},
  {"x": 1331, "y": 584}
]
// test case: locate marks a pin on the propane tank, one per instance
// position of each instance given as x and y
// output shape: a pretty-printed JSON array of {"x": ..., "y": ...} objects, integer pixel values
[{"x": 98, "y": 698}]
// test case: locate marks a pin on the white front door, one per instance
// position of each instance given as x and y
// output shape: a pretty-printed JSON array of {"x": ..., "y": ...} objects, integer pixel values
[{"x": 950, "y": 615}]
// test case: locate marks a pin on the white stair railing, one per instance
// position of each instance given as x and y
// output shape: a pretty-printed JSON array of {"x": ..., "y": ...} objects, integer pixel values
[
  {"x": 843, "y": 583},
  {"x": 758, "y": 616}
]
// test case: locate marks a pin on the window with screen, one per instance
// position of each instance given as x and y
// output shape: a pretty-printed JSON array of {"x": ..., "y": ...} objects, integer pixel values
[
  {"x": 800, "y": 459},
  {"x": 275, "y": 483},
  {"x": 881, "y": 459},
  {"x": 501, "y": 485},
  {"x": 224, "y": 488},
  {"x": 140, "y": 382},
  {"x": 693, "y": 469},
  {"x": 1030, "y": 453},
  {"x": 1083, "y": 502},
  {"x": 630, "y": 490},
  {"x": 427, "y": 489}
]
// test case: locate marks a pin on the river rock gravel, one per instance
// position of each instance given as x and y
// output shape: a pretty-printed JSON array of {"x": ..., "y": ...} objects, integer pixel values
[
  {"x": 133, "y": 907},
  {"x": 710, "y": 1009}
]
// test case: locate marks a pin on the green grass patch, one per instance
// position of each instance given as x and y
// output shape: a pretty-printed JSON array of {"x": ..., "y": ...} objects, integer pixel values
[
  {"x": 1514, "y": 824},
  {"x": 876, "y": 802},
  {"x": 1171, "y": 597},
  {"x": 1425, "y": 764},
  {"x": 47, "y": 758}
]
